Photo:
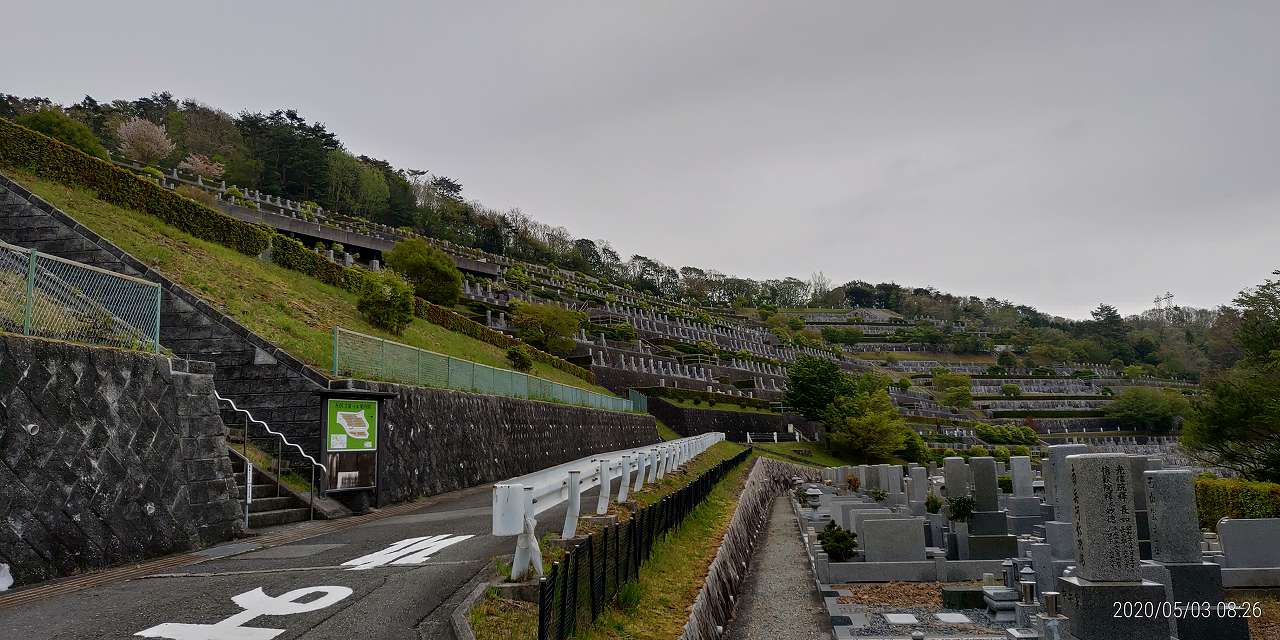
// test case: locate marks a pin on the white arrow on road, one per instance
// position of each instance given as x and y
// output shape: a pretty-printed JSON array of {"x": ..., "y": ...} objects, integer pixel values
[{"x": 405, "y": 552}]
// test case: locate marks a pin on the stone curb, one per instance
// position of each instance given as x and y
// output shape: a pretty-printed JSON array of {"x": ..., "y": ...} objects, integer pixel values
[{"x": 462, "y": 628}]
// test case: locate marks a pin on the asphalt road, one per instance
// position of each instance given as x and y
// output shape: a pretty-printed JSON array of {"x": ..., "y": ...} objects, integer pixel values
[{"x": 404, "y": 593}]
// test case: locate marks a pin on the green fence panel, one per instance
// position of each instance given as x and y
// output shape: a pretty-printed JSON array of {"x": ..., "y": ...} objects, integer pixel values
[
  {"x": 47, "y": 296},
  {"x": 360, "y": 355}
]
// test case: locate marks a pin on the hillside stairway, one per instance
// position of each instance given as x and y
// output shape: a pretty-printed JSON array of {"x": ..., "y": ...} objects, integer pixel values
[{"x": 272, "y": 503}]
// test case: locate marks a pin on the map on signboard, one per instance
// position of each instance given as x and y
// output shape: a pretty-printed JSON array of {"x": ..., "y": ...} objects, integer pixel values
[{"x": 352, "y": 425}]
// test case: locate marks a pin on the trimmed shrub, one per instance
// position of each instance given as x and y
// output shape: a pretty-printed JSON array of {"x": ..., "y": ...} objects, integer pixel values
[
  {"x": 59, "y": 126},
  {"x": 1220, "y": 498},
  {"x": 519, "y": 358},
  {"x": 932, "y": 503},
  {"x": 960, "y": 508},
  {"x": 195, "y": 193},
  {"x": 1005, "y": 481},
  {"x": 388, "y": 302},
  {"x": 433, "y": 274},
  {"x": 26, "y": 149},
  {"x": 837, "y": 543}
]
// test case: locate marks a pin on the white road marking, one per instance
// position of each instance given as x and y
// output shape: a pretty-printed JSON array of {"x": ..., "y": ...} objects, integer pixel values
[
  {"x": 405, "y": 552},
  {"x": 255, "y": 603}
]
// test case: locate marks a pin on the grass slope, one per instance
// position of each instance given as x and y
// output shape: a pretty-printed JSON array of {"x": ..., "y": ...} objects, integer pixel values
[{"x": 288, "y": 308}]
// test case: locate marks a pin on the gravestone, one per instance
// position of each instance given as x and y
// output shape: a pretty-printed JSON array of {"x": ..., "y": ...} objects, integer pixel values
[
  {"x": 1024, "y": 513},
  {"x": 919, "y": 491},
  {"x": 1253, "y": 542},
  {"x": 896, "y": 540},
  {"x": 1138, "y": 465},
  {"x": 956, "y": 473},
  {"x": 1107, "y": 570},
  {"x": 1170, "y": 496}
]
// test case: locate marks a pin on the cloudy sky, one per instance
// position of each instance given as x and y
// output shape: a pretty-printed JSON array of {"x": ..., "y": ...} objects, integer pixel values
[{"x": 1054, "y": 154}]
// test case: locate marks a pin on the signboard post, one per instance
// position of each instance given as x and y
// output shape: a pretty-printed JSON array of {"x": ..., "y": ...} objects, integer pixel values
[{"x": 349, "y": 432}]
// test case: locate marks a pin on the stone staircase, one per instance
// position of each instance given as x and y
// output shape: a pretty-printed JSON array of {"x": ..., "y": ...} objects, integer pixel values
[{"x": 272, "y": 504}]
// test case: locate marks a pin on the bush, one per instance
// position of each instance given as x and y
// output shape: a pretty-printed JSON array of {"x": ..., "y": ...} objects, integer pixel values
[
  {"x": 59, "y": 126},
  {"x": 49, "y": 158},
  {"x": 195, "y": 193},
  {"x": 1010, "y": 390},
  {"x": 546, "y": 326},
  {"x": 629, "y": 596},
  {"x": 932, "y": 503},
  {"x": 1001, "y": 453},
  {"x": 1220, "y": 498},
  {"x": 837, "y": 543},
  {"x": 519, "y": 358},
  {"x": 960, "y": 509},
  {"x": 1005, "y": 482},
  {"x": 153, "y": 172},
  {"x": 978, "y": 451},
  {"x": 432, "y": 272},
  {"x": 1020, "y": 450},
  {"x": 387, "y": 303},
  {"x": 879, "y": 495}
]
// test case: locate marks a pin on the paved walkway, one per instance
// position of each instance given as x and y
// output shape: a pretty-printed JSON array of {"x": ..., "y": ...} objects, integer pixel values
[{"x": 780, "y": 600}]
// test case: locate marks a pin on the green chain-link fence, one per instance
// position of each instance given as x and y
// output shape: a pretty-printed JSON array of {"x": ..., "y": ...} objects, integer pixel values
[
  {"x": 47, "y": 296},
  {"x": 359, "y": 355}
]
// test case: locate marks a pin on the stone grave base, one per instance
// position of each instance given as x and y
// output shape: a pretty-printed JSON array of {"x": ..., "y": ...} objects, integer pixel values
[
  {"x": 1024, "y": 525},
  {"x": 992, "y": 547},
  {"x": 988, "y": 523},
  {"x": 1090, "y": 608},
  {"x": 1197, "y": 583},
  {"x": 1233, "y": 578},
  {"x": 936, "y": 570}
]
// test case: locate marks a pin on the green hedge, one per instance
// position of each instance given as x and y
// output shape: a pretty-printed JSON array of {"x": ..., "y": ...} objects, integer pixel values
[
  {"x": 1064, "y": 413},
  {"x": 1219, "y": 498},
  {"x": 452, "y": 321},
  {"x": 676, "y": 393},
  {"x": 23, "y": 148}
]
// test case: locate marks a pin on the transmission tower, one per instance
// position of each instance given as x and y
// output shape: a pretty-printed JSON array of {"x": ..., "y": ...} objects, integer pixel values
[{"x": 1164, "y": 304}]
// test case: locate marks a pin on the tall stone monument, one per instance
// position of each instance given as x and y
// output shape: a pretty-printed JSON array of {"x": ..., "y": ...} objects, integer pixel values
[
  {"x": 1108, "y": 570},
  {"x": 989, "y": 538}
]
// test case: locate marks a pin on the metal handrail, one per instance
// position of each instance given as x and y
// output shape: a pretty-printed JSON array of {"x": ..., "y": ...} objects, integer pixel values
[
  {"x": 248, "y": 464},
  {"x": 270, "y": 431}
]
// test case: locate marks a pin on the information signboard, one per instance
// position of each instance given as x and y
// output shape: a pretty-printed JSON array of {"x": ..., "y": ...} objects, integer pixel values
[{"x": 351, "y": 425}]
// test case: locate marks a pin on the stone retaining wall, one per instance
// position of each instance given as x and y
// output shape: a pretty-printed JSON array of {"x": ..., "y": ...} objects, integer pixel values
[
  {"x": 735, "y": 425},
  {"x": 107, "y": 456},
  {"x": 434, "y": 440}
]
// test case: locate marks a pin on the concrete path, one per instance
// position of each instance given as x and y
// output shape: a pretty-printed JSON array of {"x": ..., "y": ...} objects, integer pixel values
[
  {"x": 780, "y": 600},
  {"x": 414, "y": 568}
]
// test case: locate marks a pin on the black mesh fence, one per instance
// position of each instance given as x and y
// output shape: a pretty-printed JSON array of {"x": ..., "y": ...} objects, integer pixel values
[{"x": 579, "y": 587}]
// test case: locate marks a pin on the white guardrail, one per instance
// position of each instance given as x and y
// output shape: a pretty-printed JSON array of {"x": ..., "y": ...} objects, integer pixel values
[{"x": 518, "y": 501}]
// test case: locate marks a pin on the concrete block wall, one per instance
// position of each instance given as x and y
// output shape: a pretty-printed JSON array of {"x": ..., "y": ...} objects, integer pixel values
[
  {"x": 257, "y": 375},
  {"x": 107, "y": 456}
]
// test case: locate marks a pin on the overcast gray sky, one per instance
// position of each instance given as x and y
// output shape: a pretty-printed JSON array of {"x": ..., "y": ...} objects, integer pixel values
[{"x": 1054, "y": 154}]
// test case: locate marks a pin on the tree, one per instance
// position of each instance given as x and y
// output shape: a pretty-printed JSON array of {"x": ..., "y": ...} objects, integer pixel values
[
  {"x": 57, "y": 125},
  {"x": 1001, "y": 453},
  {"x": 914, "y": 448},
  {"x": 547, "y": 327},
  {"x": 1010, "y": 390},
  {"x": 432, "y": 272},
  {"x": 814, "y": 384},
  {"x": 1007, "y": 359},
  {"x": 866, "y": 425},
  {"x": 1148, "y": 408},
  {"x": 201, "y": 166},
  {"x": 1236, "y": 422},
  {"x": 1134, "y": 372},
  {"x": 144, "y": 141}
]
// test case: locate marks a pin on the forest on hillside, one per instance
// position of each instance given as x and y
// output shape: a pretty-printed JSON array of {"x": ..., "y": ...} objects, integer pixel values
[{"x": 282, "y": 153}]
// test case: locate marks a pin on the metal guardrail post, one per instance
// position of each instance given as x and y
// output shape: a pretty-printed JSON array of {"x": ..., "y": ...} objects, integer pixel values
[
  {"x": 602, "y": 503},
  {"x": 29, "y": 309},
  {"x": 626, "y": 478},
  {"x": 574, "y": 487}
]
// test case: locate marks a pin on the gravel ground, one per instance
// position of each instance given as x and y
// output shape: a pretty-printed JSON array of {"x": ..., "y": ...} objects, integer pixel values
[{"x": 779, "y": 600}]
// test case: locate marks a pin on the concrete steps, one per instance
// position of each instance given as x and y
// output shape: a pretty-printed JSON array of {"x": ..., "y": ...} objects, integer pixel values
[{"x": 272, "y": 505}]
